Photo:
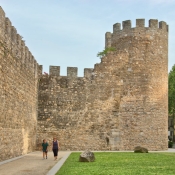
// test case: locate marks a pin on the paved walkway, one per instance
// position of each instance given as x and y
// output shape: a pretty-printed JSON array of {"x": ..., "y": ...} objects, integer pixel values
[
  {"x": 33, "y": 164},
  {"x": 30, "y": 164}
]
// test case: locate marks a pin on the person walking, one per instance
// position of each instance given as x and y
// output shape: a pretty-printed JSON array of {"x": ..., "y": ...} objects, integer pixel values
[
  {"x": 55, "y": 148},
  {"x": 45, "y": 148}
]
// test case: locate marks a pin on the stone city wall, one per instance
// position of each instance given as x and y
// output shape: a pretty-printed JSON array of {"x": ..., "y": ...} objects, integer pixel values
[
  {"x": 18, "y": 93},
  {"x": 119, "y": 104}
]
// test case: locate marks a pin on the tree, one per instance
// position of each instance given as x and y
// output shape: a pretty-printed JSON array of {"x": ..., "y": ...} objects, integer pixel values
[
  {"x": 171, "y": 92},
  {"x": 171, "y": 97},
  {"x": 105, "y": 51}
]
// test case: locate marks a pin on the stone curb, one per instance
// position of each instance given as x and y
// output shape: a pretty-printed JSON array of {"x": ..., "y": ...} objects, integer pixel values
[
  {"x": 56, "y": 167},
  {"x": 10, "y": 160}
]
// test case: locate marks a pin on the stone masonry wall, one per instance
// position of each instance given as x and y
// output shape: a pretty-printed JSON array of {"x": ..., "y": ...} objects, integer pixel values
[
  {"x": 18, "y": 93},
  {"x": 120, "y": 103}
]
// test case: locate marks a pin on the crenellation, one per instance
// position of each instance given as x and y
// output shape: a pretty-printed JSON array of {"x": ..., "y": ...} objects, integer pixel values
[
  {"x": 88, "y": 72},
  {"x": 116, "y": 27},
  {"x": 8, "y": 33},
  {"x": 162, "y": 25},
  {"x": 54, "y": 70},
  {"x": 97, "y": 67},
  {"x": 8, "y": 27},
  {"x": 13, "y": 34},
  {"x": 22, "y": 52},
  {"x": 72, "y": 72},
  {"x": 30, "y": 61},
  {"x": 18, "y": 42},
  {"x": 40, "y": 70},
  {"x": 33, "y": 63},
  {"x": 108, "y": 38},
  {"x": 2, "y": 22},
  {"x": 26, "y": 61},
  {"x": 140, "y": 22},
  {"x": 35, "y": 68},
  {"x": 153, "y": 23},
  {"x": 126, "y": 24},
  {"x": 13, "y": 41},
  {"x": 167, "y": 27}
]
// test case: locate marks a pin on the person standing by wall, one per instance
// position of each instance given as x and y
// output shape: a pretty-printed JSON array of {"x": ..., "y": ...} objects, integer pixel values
[
  {"x": 45, "y": 148},
  {"x": 55, "y": 148}
]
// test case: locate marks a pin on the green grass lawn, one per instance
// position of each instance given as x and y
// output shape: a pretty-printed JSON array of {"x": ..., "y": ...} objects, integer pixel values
[{"x": 118, "y": 163}]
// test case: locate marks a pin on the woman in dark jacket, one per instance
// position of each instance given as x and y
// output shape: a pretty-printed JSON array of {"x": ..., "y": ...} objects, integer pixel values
[{"x": 55, "y": 148}]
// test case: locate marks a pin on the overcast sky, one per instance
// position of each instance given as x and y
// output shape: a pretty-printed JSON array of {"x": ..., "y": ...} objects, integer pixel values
[{"x": 70, "y": 33}]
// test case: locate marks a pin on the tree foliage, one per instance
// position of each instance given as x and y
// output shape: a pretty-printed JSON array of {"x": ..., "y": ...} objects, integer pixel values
[
  {"x": 171, "y": 91},
  {"x": 105, "y": 51}
]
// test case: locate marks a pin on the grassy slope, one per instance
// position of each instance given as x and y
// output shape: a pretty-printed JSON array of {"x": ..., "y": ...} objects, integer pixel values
[{"x": 119, "y": 163}]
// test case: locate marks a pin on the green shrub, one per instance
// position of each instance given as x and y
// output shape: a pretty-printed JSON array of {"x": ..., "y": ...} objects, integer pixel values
[
  {"x": 170, "y": 144},
  {"x": 105, "y": 51}
]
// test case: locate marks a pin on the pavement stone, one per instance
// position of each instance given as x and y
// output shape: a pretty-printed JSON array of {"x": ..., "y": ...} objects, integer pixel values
[{"x": 30, "y": 164}]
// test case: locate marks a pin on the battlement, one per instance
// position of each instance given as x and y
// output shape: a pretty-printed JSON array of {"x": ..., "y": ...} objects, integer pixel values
[
  {"x": 12, "y": 41},
  {"x": 153, "y": 23},
  {"x": 72, "y": 72},
  {"x": 128, "y": 30},
  {"x": 54, "y": 70}
]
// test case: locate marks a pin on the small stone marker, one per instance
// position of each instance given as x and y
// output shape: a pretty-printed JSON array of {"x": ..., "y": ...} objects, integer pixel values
[
  {"x": 87, "y": 156},
  {"x": 139, "y": 149}
]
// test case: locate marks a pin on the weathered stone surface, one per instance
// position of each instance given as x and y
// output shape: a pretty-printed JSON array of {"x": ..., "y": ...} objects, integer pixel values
[
  {"x": 120, "y": 103},
  {"x": 139, "y": 149},
  {"x": 18, "y": 94},
  {"x": 87, "y": 156},
  {"x": 123, "y": 98}
]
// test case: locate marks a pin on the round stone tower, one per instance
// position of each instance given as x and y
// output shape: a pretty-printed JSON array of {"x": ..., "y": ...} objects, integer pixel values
[{"x": 143, "y": 107}]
